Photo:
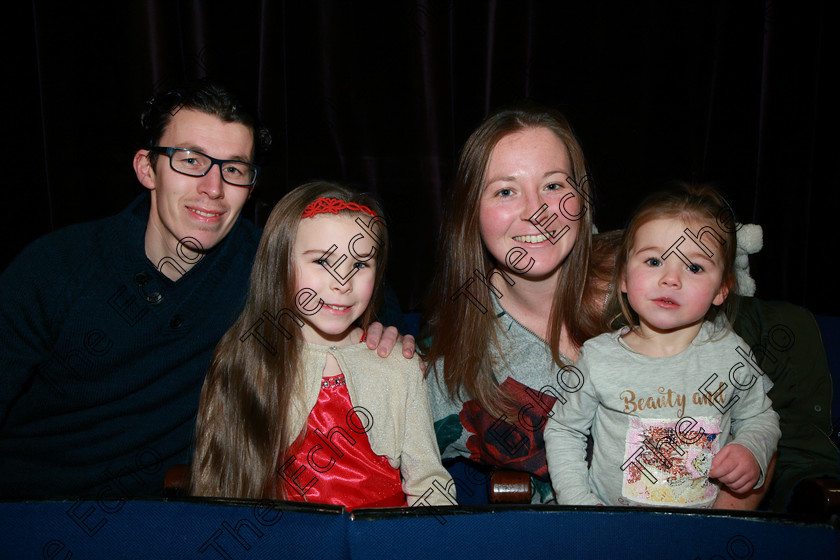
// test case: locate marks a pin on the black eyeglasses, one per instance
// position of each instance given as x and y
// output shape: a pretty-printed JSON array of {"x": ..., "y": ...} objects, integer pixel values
[{"x": 197, "y": 164}]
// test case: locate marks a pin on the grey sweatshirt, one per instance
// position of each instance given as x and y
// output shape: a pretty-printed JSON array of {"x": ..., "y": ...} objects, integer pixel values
[{"x": 658, "y": 422}]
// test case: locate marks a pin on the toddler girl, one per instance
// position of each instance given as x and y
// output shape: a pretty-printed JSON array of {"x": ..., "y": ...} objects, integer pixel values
[
  {"x": 662, "y": 394},
  {"x": 295, "y": 406}
]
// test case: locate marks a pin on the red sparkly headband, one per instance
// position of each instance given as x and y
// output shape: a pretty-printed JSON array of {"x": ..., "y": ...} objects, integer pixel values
[{"x": 332, "y": 206}]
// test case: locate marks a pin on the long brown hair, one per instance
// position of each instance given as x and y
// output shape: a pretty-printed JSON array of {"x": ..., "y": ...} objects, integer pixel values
[
  {"x": 700, "y": 203},
  {"x": 244, "y": 418},
  {"x": 464, "y": 331}
]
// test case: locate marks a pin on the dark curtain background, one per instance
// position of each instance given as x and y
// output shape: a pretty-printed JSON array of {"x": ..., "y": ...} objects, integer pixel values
[{"x": 383, "y": 96}]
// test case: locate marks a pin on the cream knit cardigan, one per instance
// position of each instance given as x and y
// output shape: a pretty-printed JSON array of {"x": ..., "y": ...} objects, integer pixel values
[{"x": 392, "y": 405}]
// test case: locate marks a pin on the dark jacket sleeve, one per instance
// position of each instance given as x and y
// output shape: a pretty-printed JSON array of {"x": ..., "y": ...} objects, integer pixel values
[
  {"x": 787, "y": 344},
  {"x": 33, "y": 289}
]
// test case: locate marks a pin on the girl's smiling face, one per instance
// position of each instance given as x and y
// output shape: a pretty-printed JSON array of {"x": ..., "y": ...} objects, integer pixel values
[
  {"x": 667, "y": 293},
  {"x": 529, "y": 168},
  {"x": 341, "y": 282}
]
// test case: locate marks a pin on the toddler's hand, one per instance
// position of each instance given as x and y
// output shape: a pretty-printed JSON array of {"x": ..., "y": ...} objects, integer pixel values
[
  {"x": 736, "y": 467},
  {"x": 383, "y": 341}
]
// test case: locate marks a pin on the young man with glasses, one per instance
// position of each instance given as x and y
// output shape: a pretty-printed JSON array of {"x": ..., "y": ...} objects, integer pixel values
[{"x": 107, "y": 328}]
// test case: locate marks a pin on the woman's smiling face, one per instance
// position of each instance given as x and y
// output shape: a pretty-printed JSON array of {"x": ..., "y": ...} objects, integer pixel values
[{"x": 529, "y": 168}]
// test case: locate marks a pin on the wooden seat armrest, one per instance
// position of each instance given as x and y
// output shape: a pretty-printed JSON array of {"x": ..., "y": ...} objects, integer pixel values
[
  {"x": 173, "y": 482},
  {"x": 819, "y": 496},
  {"x": 509, "y": 487}
]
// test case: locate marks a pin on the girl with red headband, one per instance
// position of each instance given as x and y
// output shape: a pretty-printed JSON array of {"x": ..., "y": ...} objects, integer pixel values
[{"x": 295, "y": 406}]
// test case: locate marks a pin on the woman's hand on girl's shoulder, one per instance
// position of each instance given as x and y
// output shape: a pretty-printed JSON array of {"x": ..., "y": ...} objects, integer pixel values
[{"x": 383, "y": 340}]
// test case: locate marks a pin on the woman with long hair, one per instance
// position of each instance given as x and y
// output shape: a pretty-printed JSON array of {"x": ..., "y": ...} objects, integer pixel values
[{"x": 515, "y": 292}]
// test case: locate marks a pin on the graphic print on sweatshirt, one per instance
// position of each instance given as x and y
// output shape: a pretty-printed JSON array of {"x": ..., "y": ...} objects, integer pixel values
[{"x": 669, "y": 461}]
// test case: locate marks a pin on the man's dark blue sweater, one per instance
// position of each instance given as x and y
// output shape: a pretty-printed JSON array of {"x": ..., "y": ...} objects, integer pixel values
[{"x": 103, "y": 358}]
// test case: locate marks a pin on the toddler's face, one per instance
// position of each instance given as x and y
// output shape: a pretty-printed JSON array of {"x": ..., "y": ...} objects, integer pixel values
[
  {"x": 342, "y": 282},
  {"x": 667, "y": 293}
]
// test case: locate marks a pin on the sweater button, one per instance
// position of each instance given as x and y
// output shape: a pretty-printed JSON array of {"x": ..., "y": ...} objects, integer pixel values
[
  {"x": 176, "y": 321},
  {"x": 141, "y": 278},
  {"x": 154, "y": 298}
]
